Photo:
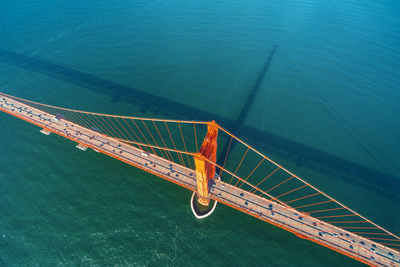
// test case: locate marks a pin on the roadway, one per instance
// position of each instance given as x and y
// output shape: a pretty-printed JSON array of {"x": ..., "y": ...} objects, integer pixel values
[{"x": 302, "y": 225}]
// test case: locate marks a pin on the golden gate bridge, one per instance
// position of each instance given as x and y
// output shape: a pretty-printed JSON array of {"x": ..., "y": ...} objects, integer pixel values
[{"x": 186, "y": 153}]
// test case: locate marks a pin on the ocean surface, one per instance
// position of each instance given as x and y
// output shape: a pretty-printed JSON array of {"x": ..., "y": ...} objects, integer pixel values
[{"x": 326, "y": 76}]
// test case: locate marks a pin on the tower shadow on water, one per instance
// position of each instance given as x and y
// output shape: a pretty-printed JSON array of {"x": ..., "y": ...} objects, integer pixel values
[
  {"x": 372, "y": 180},
  {"x": 237, "y": 125}
]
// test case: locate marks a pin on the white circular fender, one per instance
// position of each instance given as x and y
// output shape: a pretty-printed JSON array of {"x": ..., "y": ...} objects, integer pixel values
[{"x": 194, "y": 211}]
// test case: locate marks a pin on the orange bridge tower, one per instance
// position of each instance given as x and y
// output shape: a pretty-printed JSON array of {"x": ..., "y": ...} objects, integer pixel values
[{"x": 205, "y": 170}]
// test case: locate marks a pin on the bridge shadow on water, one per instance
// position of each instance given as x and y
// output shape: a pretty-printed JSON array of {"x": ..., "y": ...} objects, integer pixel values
[{"x": 302, "y": 155}]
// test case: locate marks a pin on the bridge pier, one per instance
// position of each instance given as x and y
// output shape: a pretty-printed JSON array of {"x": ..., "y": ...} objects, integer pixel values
[
  {"x": 205, "y": 171},
  {"x": 200, "y": 211}
]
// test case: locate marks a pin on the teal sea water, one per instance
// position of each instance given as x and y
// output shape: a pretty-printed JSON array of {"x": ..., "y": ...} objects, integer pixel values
[{"x": 326, "y": 77}]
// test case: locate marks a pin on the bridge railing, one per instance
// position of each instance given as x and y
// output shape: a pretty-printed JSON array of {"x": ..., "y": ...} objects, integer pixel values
[{"x": 237, "y": 163}]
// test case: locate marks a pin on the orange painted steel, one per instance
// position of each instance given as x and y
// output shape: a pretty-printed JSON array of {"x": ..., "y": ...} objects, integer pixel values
[
  {"x": 162, "y": 139},
  {"x": 140, "y": 131},
  {"x": 172, "y": 139},
  {"x": 117, "y": 129},
  {"x": 195, "y": 136},
  {"x": 294, "y": 232},
  {"x": 133, "y": 133},
  {"x": 226, "y": 156},
  {"x": 300, "y": 198},
  {"x": 288, "y": 179},
  {"x": 251, "y": 172},
  {"x": 222, "y": 129},
  {"x": 90, "y": 119},
  {"x": 314, "y": 204},
  {"x": 322, "y": 193},
  {"x": 390, "y": 239},
  {"x": 152, "y": 137},
  {"x": 263, "y": 180},
  {"x": 210, "y": 163},
  {"x": 204, "y": 170},
  {"x": 291, "y": 191},
  {"x": 100, "y": 114},
  {"x": 111, "y": 129},
  {"x": 333, "y": 216},
  {"x": 391, "y": 244},
  {"x": 104, "y": 127},
  {"x": 184, "y": 144},
  {"x": 358, "y": 227},
  {"x": 348, "y": 222},
  {"x": 129, "y": 135},
  {"x": 365, "y": 233},
  {"x": 240, "y": 163},
  {"x": 325, "y": 210},
  {"x": 202, "y": 180},
  {"x": 85, "y": 120},
  {"x": 247, "y": 183},
  {"x": 156, "y": 147}
]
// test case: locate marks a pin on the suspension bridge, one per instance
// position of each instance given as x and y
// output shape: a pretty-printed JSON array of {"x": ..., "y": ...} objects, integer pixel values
[{"x": 187, "y": 153}]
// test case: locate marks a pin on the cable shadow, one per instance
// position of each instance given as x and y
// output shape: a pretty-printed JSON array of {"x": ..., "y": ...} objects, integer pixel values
[{"x": 373, "y": 180}]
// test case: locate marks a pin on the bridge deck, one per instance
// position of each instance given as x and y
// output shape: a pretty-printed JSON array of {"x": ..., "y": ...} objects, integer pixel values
[{"x": 289, "y": 219}]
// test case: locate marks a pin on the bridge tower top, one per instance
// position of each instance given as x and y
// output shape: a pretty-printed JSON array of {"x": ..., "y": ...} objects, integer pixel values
[{"x": 204, "y": 159}]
